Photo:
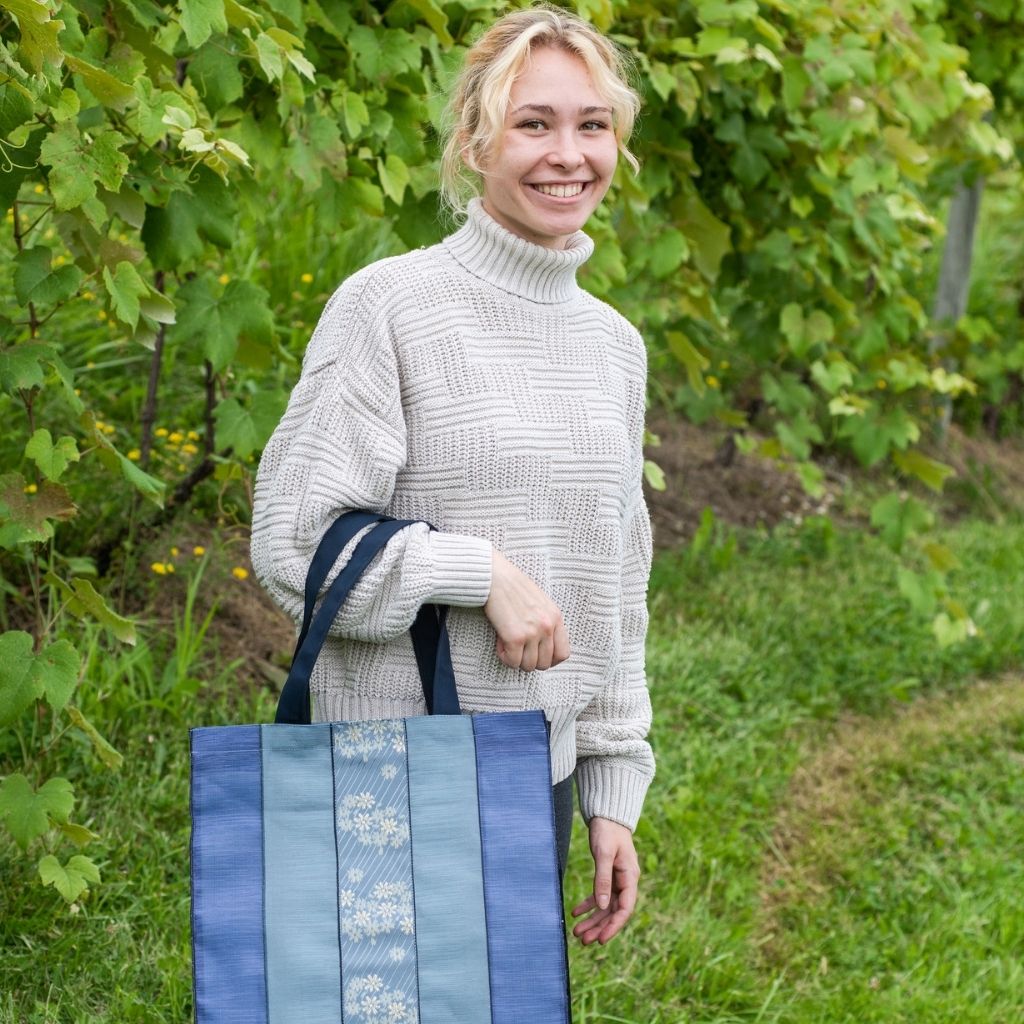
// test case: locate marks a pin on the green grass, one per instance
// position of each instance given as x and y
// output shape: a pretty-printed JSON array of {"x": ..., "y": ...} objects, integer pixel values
[{"x": 751, "y": 664}]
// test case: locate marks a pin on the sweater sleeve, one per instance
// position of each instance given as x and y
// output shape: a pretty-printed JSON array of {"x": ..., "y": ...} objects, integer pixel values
[
  {"x": 615, "y": 763},
  {"x": 339, "y": 446}
]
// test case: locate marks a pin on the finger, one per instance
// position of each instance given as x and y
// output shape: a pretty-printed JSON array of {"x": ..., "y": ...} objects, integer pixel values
[
  {"x": 529, "y": 660},
  {"x": 581, "y": 908},
  {"x": 513, "y": 654},
  {"x": 590, "y": 930},
  {"x": 625, "y": 902},
  {"x": 545, "y": 646},
  {"x": 602, "y": 875},
  {"x": 561, "y": 644},
  {"x": 588, "y": 922}
]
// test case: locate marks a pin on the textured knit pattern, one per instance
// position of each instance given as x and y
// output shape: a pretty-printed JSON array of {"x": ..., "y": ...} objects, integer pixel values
[{"x": 475, "y": 385}]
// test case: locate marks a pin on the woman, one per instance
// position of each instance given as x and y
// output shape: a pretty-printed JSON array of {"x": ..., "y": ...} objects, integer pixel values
[{"x": 475, "y": 385}]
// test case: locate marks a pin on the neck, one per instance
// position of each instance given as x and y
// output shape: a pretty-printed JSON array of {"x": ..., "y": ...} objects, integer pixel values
[{"x": 491, "y": 252}]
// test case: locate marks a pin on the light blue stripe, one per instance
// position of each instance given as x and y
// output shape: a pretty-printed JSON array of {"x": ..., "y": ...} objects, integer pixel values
[
  {"x": 303, "y": 959},
  {"x": 451, "y": 929},
  {"x": 378, "y": 920},
  {"x": 522, "y": 891},
  {"x": 227, "y": 875}
]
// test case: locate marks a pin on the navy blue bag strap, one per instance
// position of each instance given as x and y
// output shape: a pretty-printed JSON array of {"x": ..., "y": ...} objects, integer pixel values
[
  {"x": 429, "y": 631},
  {"x": 333, "y": 542}
]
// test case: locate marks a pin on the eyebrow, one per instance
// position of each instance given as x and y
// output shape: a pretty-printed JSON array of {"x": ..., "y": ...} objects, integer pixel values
[{"x": 545, "y": 109}]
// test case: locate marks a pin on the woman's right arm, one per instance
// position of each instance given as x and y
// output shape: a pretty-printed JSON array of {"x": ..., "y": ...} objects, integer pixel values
[{"x": 339, "y": 446}]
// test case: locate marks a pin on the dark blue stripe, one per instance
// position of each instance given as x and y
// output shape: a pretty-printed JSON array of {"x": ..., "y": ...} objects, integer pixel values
[
  {"x": 522, "y": 893},
  {"x": 227, "y": 875}
]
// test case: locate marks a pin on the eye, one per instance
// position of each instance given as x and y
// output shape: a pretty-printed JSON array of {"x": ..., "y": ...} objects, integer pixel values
[{"x": 599, "y": 124}]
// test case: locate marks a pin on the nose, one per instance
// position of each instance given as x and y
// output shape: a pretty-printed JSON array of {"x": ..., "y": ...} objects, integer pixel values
[{"x": 565, "y": 149}]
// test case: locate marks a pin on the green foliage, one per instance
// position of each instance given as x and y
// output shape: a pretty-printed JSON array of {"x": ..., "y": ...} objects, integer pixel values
[{"x": 791, "y": 154}]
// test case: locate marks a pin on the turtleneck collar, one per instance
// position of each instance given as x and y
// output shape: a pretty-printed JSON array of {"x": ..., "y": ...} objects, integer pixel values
[{"x": 490, "y": 251}]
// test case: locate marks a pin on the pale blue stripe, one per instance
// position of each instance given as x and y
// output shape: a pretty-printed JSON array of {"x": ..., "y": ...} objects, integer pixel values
[
  {"x": 303, "y": 957},
  {"x": 451, "y": 929}
]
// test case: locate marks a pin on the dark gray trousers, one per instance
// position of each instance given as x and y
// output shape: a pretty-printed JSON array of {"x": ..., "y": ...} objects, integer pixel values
[{"x": 563, "y": 794}]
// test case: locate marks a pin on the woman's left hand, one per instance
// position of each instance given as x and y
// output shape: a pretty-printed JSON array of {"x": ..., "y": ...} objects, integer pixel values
[{"x": 616, "y": 875}]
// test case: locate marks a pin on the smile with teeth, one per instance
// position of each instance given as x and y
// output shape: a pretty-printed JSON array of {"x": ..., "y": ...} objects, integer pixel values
[{"x": 562, "y": 191}]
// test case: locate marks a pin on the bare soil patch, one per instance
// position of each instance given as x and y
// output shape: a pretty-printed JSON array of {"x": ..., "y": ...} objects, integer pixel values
[
  {"x": 246, "y": 626},
  {"x": 702, "y": 469}
]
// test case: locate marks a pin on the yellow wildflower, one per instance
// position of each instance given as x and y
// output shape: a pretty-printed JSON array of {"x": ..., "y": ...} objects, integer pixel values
[
  {"x": 59, "y": 259},
  {"x": 160, "y": 431},
  {"x": 159, "y": 568},
  {"x": 224, "y": 278},
  {"x": 88, "y": 295},
  {"x": 193, "y": 435},
  {"x": 307, "y": 278},
  {"x": 30, "y": 489},
  {"x": 174, "y": 552},
  {"x": 189, "y": 449},
  {"x": 881, "y": 384},
  {"x": 135, "y": 455},
  {"x": 198, "y": 550},
  {"x": 101, "y": 314},
  {"x": 176, "y": 437},
  {"x": 712, "y": 381},
  {"x": 239, "y": 573},
  {"x": 38, "y": 190},
  {"x": 108, "y": 428}
]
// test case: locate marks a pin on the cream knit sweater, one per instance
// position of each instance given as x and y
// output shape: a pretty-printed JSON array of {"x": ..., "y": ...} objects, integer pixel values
[{"x": 474, "y": 384}]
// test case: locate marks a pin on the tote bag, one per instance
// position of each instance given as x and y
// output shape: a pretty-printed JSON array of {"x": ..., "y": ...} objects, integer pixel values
[{"x": 376, "y": 872}]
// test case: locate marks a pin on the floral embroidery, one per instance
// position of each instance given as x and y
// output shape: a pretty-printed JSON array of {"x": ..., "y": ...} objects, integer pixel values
[
  {"x": 369, "y": 1001},
  {"x": 373, "y": 825},
  {"x": 386, "y": 910},
  {"x": 375, "y": 898}
]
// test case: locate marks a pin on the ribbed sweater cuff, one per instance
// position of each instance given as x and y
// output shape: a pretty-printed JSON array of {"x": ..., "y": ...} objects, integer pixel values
[
  {"x": 461, "y": 572},
  {"x": 610, "y": 790}
]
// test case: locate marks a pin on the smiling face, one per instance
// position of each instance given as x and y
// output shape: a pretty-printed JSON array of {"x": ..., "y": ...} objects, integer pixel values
[{"x": 551, "y": 137}]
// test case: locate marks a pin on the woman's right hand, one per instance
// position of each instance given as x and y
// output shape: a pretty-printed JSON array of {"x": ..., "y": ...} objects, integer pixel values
[{"x": 530, "y": 628}]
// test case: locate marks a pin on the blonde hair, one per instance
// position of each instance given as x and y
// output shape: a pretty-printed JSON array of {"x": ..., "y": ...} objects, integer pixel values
[{"x": 474, "y": 115}]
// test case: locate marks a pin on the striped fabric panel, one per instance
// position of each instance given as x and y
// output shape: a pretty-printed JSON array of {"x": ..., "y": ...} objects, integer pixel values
[
  {"x": 301, "y": 876},
  {"x": 526, "y": 936},
  {"x": 451, "y": 928},
  {"x": 375, "y": 903},
  {"x": 227, "y": 875},
  {"x": 346, "y": 873}
]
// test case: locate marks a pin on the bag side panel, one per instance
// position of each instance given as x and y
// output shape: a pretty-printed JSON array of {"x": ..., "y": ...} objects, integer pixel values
[
  {"x": 227, "y": 876},
  {"x": 522, "y": 891}
]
